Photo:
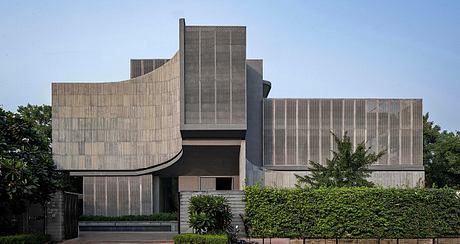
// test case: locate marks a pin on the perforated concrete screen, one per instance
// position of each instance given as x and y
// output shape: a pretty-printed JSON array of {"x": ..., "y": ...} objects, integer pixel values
[
  {"x": 117, "y": 196},
  {"x": 298, "y": 130},
  {"x": 214, "y": 77}
]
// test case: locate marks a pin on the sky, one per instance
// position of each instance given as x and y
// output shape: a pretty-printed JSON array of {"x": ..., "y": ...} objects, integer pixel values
[{"x": 311, "y": 49}]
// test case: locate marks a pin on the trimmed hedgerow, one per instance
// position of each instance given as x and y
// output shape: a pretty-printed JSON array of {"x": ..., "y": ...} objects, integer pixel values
[
  {"x": 24, "y": 239},
  {"x": 189, "y": 238},
  {"x": 152, "y": 217},
  {"x": 356, "y": 212}
]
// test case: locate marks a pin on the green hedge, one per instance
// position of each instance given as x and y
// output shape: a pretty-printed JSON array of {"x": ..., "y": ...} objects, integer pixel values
[
  {"x": 353, "y": 212},
  {"x": 189, "y": 238},
  {"x": 24, "y": 239},
  {"x": 152, "y": 217}
]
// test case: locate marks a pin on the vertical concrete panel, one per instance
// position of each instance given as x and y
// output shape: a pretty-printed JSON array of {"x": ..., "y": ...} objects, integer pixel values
[
  {"x": 325, "y": 131},
  {"x": 314, "y": 118},
  {"x": 371, "y": 125},
  {"x": 383, "y": 130},
  {"x": 123, "y": 196},
  {"x": 394, "y": 115},
  {"x": 280, "y": 130},
  {"x": 156, "y": 194},
  {"x": 302, "y": 132},
  {"x": 88, "y": 196},
  {"x": 112, "y": 196},
  {"x": 238, "y": 75},
  {"x": 268, "y": 132},
  {"x": 349, "y": 121},
  {"x": 101, "y": 194},
  {"x": 147, "y": 204},
  {"x": 337, "y": 119},
  {"x": 291, "y": 132},
  {"x": 135, "y": 204},
  {"x": 192, "y": 78},
  {"x": 254, "y": 71},
  {"x": 207, "y": 77},
  {"x": 417, "y": 128},
  {"x": 223, "y": 77}
]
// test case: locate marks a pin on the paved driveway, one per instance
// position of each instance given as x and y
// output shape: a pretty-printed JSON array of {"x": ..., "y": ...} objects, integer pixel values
[{"x": 122, "y": 237}]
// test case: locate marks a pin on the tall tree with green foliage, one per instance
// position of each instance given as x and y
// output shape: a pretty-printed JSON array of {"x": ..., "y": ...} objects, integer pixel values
[
  {"x": 347, "y": 168},
  {"x": 441, "y": 155},
  {"x": 27, "y": 171}
]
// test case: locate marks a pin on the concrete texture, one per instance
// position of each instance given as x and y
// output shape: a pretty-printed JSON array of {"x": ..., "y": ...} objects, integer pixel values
[
  {"x": 127, "y": 125},
  {"x": 402, "y": 179},
  {"x": 117, "y": 196},
  {"x": 214, "y": 82},
  {"x": 297, "y": 131},
  {"x": 143, "y": 66}
]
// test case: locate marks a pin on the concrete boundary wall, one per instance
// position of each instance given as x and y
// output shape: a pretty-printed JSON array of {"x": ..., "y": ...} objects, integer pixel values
[{"x": 235, "y": 200}]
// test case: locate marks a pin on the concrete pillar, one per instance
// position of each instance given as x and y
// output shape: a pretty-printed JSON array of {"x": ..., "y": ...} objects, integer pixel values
[
  {"x": 242, "y": 164},
  {"x": 156, "y": 194},
  {"x": 55, "y": 217}
]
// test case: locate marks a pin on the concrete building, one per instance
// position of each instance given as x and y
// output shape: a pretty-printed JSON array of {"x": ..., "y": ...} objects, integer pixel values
[{"x": 202, "y": 121}]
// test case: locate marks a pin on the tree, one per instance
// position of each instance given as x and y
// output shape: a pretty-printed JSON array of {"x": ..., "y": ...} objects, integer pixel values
[
  {"x": 27, "y": 172},
  {"x": 441, "y": 155},
  {"x": 347, "y": 167},
  {"x": 39, "y": 116}
]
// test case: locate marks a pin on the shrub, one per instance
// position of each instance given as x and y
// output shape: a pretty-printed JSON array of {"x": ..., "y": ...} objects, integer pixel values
[
  {"x": 189, "y": 238},
  {"x": 357, "y": 212},
  {"x": 209, "y": 214},
  {"x": 24, "y": 239},
  {"x": 152, "y": 217}
]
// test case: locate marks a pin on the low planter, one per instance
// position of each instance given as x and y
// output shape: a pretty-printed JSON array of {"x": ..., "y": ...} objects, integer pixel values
[{"x": 160, "y": 226}]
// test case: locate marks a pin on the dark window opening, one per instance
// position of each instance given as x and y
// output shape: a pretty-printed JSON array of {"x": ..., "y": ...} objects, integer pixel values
[{"x": 224, "y": 183}]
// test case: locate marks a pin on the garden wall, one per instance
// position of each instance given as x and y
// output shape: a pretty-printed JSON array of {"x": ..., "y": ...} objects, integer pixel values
[{"x": 235, "y": 200}]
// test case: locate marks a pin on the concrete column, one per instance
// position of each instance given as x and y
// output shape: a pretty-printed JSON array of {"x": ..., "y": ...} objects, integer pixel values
[
  {"x": 156, "y": 194},
  {"x": 242, "y": 164},
  {"x": 55, "y": 217}
]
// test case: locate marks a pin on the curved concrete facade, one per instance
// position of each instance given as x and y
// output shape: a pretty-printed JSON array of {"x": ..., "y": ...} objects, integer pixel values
[{"x": 127, "y": 125}]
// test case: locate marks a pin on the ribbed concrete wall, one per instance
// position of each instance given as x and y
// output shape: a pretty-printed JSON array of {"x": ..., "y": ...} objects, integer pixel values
[
  {"x": 298, "y": 130},
  {"x": 214, "y": 77},
  {"x": 234, "y": 198},
  {"x": 123, "y": 125},
  {"x": 117, "y": 196},
  {"x": 143, "y": 66}
]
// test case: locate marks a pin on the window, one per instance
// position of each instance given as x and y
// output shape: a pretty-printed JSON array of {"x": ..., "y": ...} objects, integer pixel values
[{"x": 224, "y": 183}]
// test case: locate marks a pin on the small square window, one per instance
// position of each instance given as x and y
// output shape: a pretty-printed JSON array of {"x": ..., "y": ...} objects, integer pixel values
[{"x": 224, "y": 183}]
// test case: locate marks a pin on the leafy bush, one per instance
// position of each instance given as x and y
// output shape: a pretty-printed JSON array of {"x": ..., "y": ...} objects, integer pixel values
[
  {"x": 189, "y": 238},
  {"x": 24, "y": 239},
  {"x": 152, "y": 217},
  {"x": 209, "y": 214},
  {"x": 357, "y": 212}
]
